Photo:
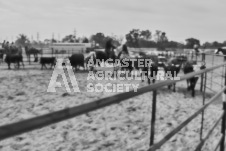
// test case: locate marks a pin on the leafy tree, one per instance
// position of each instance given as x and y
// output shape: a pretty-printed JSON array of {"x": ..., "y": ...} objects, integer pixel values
[
  {"x": 146, "y": 34},
  {"x": 117, "y": 40},
  {"x": 216, "y": 44},
  {"x": 133, "y": 35},
  {"x": 224, "y": 43},
  {"x": 99, "y": 38},
  {"x": 173, "y": 44},
  {"x": 69, "y": 38},
  {"x": 161, "y": 39},
  {"x": 22, "y": 40},
  {"x": 85, "y": 40},
  {"x": 157, "y": 35},
  {"x": 191, "y": 42},
  {"x": 139, "y": 38},
  {"x": 53, "y": 40}
]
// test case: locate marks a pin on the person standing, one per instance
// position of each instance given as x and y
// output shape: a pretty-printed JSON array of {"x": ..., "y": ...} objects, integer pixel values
[{"x": 3, "y": 44}]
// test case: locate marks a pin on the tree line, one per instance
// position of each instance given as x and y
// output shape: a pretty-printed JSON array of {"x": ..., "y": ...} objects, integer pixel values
[{"x": 135, "y": 38}]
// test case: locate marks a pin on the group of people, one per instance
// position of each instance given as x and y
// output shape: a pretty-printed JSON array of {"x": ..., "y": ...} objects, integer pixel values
[{"x": 10, "y": 48}]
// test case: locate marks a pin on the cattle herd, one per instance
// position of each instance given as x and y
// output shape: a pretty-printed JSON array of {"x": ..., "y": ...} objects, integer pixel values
[{"x": 171, "y": 64}]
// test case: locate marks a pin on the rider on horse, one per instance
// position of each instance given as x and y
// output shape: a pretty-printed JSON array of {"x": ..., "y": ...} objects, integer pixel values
[
  {"x": 6, "y": 47},
  {"x": 124, "y": 53},
  {"x": 109, "y": 48}
]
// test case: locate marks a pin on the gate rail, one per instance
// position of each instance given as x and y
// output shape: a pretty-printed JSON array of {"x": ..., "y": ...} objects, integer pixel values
[{"x": 13, "y": 129}]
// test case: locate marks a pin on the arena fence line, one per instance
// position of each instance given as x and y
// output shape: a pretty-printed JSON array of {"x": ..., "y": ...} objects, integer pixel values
[{"x": 13, "y": 129}]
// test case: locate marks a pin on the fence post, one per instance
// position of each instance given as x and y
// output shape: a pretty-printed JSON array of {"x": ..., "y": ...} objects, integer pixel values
[
  {"x": 203, "y": 56},
  {"x": 202, "y": 75},
  {"x": 223, "y": 118},
  {"x": 203, "y": 103},
  {"x": 153, "y": 118}
]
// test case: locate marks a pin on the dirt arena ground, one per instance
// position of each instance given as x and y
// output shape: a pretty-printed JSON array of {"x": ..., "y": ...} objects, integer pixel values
[{"x": 120, "y": 127}]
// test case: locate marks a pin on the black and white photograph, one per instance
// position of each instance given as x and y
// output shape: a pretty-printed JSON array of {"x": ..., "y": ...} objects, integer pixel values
[{"x": 112, "y": 75}]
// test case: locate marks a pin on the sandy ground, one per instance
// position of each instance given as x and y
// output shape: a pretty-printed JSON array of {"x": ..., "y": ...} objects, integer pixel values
[{"x": 125, "y": 126}]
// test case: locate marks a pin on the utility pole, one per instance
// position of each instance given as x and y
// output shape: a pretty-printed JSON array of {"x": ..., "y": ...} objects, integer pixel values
[
  {"x": 75, "y": 35},
  {"x": 31, "y": 38},
  {"x": 37, "y": 37},
  {"x": 59, "y": 38},
  {"x": 52, "y": 36}
]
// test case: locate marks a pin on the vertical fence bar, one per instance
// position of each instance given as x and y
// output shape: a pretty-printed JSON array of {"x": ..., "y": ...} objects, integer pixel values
[
  {"x": 222, "y": 76},
  {"x": 222, "y": 147},
  {"x": 196, "y": 56},
  {"x": 203, "y": 103},
  {"x": 203, "y": 56},
  {"x": 201, "y": 85},
  {"x": 211, "y": 82},
  {"x": 202, "y": 75},
  {"x": 29, "y": 58},
  {"x": 42, "y": 52},
  {"x": 223, "y": 126},
  {"x": 153, "y": 118}
]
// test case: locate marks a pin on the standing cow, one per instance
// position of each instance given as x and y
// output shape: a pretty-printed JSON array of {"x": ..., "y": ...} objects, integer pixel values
[
  {"x": 15, "y": 57},
  {"x": 47, "y": 60},
  {"x": 191, "y": 83},
  {"x": 172, "y": 69},
  {"x": 77, "y": 60}
]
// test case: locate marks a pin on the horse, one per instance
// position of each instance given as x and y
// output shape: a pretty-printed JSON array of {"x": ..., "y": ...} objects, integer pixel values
[
  {"x": 101, "y": 56},
  {"x": 222, "y": 50},
  {"x": 124, "y": 57},
  {"x": 32, "y": 51}
]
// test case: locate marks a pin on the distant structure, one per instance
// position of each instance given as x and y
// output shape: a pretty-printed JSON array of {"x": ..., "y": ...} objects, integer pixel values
[{"x": 69, "y": 47}]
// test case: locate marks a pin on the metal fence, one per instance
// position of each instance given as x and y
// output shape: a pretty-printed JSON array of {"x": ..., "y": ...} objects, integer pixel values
[{"x": 13, "y": 129}]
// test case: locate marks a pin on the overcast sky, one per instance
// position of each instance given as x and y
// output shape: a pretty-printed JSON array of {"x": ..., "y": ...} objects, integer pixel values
[{"x": 180, "y": 19}]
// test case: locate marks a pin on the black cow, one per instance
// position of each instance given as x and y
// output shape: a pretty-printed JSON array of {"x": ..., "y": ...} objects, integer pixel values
[
  {"x": 153, "y": 72},
  {"x": 1, "y": 57},
  {"x": 14, "y": 58},
  {"x": 47, "y": 60},
  {"x": 101, "y": 56},
  {"x": 172, "y": 68},
  {"x": 77, "y": 60},
  {"x": 152, "y": 67},
  {"x": 188, "y": 68}
]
